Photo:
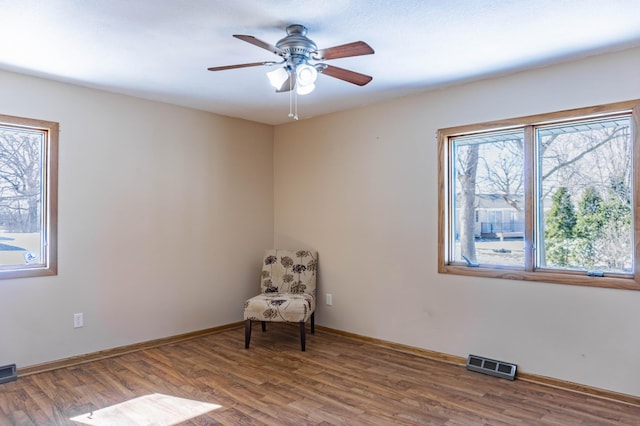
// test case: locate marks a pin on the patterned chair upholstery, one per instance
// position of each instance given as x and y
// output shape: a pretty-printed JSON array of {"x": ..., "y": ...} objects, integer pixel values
[{"x": 288, "y": 284}]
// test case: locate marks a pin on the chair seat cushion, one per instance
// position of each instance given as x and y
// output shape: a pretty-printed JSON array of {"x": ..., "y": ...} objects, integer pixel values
[{"x": 280, "y": 307}]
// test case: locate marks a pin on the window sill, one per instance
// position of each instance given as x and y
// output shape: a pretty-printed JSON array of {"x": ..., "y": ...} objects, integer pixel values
[{"x": 621, "y": 283}]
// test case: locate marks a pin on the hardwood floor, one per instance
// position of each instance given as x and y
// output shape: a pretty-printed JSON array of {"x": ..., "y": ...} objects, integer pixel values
[{"x": 337, "y": 381}]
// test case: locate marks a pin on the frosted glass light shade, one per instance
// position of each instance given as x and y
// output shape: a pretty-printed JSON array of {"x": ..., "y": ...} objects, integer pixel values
[
  {"x": 277, "y": 77},
  {"x": 306, "y": 75}
]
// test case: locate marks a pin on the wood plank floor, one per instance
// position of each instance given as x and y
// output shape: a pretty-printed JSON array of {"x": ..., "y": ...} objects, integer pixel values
[{"x": 337, "y": 381}]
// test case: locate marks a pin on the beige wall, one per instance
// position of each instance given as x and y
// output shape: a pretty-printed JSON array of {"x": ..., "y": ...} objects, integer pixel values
[
  {"x": 164, "y": 213},
  {"x": 360, "y": 187}
]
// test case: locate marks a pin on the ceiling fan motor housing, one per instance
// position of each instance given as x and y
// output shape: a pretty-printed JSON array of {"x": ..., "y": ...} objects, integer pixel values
[{"x": 296, "y": 45}]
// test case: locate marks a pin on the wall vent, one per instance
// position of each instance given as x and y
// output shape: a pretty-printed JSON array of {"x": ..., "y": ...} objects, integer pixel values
[
  {"x": 491, "y": 367},
  {"x": 8, "y": 373}
]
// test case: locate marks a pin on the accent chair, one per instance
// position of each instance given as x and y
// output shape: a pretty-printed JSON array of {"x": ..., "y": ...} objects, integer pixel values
[{"x": 288, "y": 291}]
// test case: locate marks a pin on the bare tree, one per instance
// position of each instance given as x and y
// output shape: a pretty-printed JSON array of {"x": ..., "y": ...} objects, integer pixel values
[
  {"x": 570, "y": 159},
  {"x": 20, "y": 180},
  {"x": 504, "y": 173},
  {"x": 466, "y": 169}
]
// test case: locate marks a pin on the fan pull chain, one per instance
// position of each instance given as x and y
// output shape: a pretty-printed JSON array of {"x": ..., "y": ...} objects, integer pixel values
[
  {"x": 290, "y": 98},
  {"x": 293, "y": 99}
]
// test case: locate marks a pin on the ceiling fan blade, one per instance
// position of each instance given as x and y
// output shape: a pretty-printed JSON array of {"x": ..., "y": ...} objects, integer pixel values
[
  {"x": 356, "y": 48},
  {"x": 289, "y": 84},
  {"x": 263, "y": 44},
  {"x": 230, "y": 67},
  {"x": 346, "y": 75}
]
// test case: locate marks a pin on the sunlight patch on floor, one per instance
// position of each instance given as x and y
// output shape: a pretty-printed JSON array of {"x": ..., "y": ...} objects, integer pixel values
[{"x": 155, "y": 409}]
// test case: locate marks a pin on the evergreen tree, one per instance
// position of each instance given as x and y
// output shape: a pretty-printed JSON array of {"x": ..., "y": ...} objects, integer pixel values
[
  {"x": 615, "y": 247},
  {"x": 588, "y": 229},
  {"x": 559, "y": 229}
]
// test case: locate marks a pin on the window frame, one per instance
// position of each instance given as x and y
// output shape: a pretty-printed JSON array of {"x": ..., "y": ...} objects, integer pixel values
[
  {"x": 529, "y": 272},
  {"x": 49, "y": 264}
]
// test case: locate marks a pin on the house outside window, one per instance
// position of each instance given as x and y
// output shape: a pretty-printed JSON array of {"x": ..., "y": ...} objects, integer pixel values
[
  {"x": 546, "y": 198},
  {"x": 28, "y": 197}
]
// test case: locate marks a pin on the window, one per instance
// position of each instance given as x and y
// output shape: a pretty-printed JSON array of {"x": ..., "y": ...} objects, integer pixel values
[
  {"x": 28, "y": 197},
  {"x": 545, "y": 198}
]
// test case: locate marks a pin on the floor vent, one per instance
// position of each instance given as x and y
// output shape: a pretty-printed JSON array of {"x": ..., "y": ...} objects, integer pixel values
[
  {"x": 491, "y": 367},
  {"x": 8, "y": 373}
]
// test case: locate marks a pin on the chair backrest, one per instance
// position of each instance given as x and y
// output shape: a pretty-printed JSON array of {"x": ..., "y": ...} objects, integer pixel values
[{"x": 289, "y": 271}]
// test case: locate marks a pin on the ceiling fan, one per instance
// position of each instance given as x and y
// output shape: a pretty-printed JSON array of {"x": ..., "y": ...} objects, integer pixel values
[{"x": 302, "y": 61}]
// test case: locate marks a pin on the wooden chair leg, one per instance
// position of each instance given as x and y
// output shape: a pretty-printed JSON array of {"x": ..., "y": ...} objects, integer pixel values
[
  {"x": 302, "y": 336},
  {"x": 313, "y": 323},
  {"x": 247, "y": 333},
  {"x": 264, "y": 326}
]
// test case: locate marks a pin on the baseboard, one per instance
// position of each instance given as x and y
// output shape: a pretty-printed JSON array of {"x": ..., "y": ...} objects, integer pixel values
[
  {"x": 425, "y": 353},
  {"x": 461, "y": 361},
  {"x": 121, "y": 350},
  {"x": 578, "y": 388}
]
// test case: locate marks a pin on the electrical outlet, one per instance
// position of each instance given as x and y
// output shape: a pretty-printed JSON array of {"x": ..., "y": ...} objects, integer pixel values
[
  {"x": 329, "y": 299},
  {"x": 78, "y": 320}
]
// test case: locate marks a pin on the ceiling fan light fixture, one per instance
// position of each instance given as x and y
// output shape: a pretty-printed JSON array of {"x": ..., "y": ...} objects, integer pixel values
[
  {"x": 306, "y": 74},
  {"x": 278, "y": 77}
]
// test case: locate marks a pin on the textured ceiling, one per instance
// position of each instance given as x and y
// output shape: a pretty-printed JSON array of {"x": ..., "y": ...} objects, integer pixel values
[{"x": 160, "y": 49}]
